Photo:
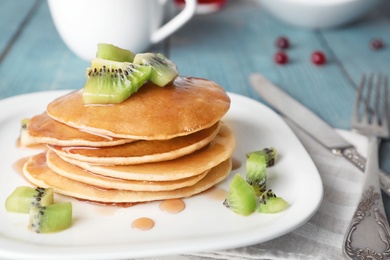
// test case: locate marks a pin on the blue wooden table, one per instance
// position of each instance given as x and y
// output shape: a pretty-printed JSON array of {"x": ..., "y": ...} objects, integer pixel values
[{"x": 225, "y": 47}]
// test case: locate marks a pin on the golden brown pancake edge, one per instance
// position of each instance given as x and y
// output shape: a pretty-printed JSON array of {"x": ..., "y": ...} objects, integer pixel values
[
  {"x": 153, "y": 113},
  {"x": 39, "y": 174},
  {"x": 76, "y": 173},
  {"x": 218, "y": 150},
  {"x": 142, "y": 151}
]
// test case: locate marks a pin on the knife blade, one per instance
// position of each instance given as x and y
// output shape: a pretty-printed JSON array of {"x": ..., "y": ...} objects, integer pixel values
[{"x": 311, "y": 124}]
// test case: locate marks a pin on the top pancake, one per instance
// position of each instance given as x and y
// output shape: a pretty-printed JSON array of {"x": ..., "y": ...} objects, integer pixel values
[{"x": 153, "y": 113}]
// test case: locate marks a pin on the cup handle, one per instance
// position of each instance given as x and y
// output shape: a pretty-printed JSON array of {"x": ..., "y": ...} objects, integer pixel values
[{"x": 176, "y": 22}]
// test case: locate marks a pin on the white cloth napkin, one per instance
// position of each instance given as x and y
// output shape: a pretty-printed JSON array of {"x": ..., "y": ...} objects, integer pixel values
[{"x": 322, "y": 236}]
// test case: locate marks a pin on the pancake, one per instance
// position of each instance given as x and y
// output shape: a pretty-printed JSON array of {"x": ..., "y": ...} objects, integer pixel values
[
  {"x": 73, "y": 172},
  {"x": 185, "y": 106},
  {"x": 141, "y": 151},
  {"x": 219, "y": 150},
  {"x": 43, "y": 129},
  {"x": 39, "y": 174}
]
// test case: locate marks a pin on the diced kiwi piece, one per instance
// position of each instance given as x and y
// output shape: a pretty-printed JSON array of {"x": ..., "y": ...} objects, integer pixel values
[
  {"x": 270, "y": 155},
  {"x": 24, "y": 137},
  {"x": 25, "y": 122},
  {"x": 241, "y": 197},
  {"x": 163, "y": 70},
  {"x": 114, "y": 53},
  {"x": 24, "y": 197},
  {"x": 111, "y": 82},
  {"x": 272, "y": 205},
  {"x": 256, "y": 174},
  {"x": 52, "y": 218},
  {"x": 256, "y": 165}
]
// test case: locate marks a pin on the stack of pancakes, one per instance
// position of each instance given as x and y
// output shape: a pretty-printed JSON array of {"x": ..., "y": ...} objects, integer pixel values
[{"x": 161, "y": 143}]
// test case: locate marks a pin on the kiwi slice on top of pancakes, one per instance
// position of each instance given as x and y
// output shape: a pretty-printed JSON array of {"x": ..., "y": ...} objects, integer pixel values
[
  {"x": 114, "y": 53},
  {"x": 115, "y": 74},
  {"x": 163, "y": 70},
  {"x": 110, "y": 82}
]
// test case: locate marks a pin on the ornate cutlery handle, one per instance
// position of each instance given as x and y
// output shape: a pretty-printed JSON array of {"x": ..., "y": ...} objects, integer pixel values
[
  {"x": 352, "y": 155},
  {"x": 368, "y": 236},
  {"x": 362, "y": 246}
]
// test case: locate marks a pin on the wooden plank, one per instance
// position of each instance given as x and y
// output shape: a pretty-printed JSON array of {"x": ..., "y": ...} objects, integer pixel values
[
  {"x": 10, "y": 23},
  {"x": 39, "y": 60}
]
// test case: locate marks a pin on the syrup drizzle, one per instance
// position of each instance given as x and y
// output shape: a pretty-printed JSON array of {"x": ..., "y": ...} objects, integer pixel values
[
  {"x": 18, "y": 165},
  {"x": 143, "y": 223},
  {"x": 172, "y": 206}
]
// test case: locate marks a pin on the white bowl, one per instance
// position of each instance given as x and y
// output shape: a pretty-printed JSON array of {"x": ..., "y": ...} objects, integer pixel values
[{"x": 319, "y": 13}]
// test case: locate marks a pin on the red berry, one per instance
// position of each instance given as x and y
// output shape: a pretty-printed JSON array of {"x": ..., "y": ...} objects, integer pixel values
[
  {"x": 282, "y": 42},
  {"x": 377, "y": 44},
  {"x": 318, "y": 58},
  {"x": 281, "y": 57}
]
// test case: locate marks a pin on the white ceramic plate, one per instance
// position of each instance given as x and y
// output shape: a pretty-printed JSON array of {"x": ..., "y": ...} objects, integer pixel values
[{"x": 100, "y": 232}]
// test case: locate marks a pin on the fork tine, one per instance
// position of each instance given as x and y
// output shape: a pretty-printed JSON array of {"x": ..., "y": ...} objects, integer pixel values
[
  {"x": 385, "y": 113},
  {"x": 371, "y": 114},
  {"x": 367, "y": 116},
  {"x": 376, "y": 116},
  {"x": 359, "y": 96}
]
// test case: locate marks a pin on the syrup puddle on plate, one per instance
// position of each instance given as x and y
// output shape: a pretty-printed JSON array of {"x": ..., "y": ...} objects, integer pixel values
[
  {"x": 143, "y": 223},
  {"x": 172, "y": 206},
  {"x": 18, "y": 165}
]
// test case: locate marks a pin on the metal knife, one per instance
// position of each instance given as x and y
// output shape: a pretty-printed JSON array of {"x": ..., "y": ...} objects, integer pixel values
[{"x": 312, "y": 124}]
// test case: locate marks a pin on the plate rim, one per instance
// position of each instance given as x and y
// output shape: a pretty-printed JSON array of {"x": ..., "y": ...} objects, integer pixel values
[{"x": 6, "y": 243}]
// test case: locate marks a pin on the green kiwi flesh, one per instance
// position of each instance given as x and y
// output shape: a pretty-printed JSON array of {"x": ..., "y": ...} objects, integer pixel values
[
  {"x": 256, "y": 165},
  {"x": 270, "y": 155},
  {"x": 114, "y": 53},
  {"x": 256, "y": 174},
  {"x": 24, "y": 137},
  {"x": 111, "y": 82},
  {"x": 24, "y": 197},
  {"x": 52, "y": 218},
  {"x": 241, "y": 198},
  {"x": 272, "y": 205},
  {"x": 163, "y": 70}
]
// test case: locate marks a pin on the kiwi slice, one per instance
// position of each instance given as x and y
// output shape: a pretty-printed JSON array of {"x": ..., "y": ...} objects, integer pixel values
[
  {"x": 256, "y": 174},
  {"x": 270, "y": 155},
  {"x": 241, "y": 197},
  {"x": 25, "y": 122},
  {"x": 272, "y": 205},
  {"x": 24, "y": 138},
  {"x": 111, "y": 82},
  {"x": 114, "y": 53},
  {"x": 163, "y": 70},
  {"x": 52, "y": 218},
  {"x": 24, "y": 197},
  {"x": 256, "y": 165}
]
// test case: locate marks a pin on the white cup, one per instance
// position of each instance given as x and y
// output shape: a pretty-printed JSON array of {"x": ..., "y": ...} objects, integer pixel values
[{"x": 130, "y": 24}]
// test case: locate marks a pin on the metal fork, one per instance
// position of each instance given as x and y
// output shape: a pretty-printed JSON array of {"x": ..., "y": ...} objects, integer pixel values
[{"x": 368, "y": 236}]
